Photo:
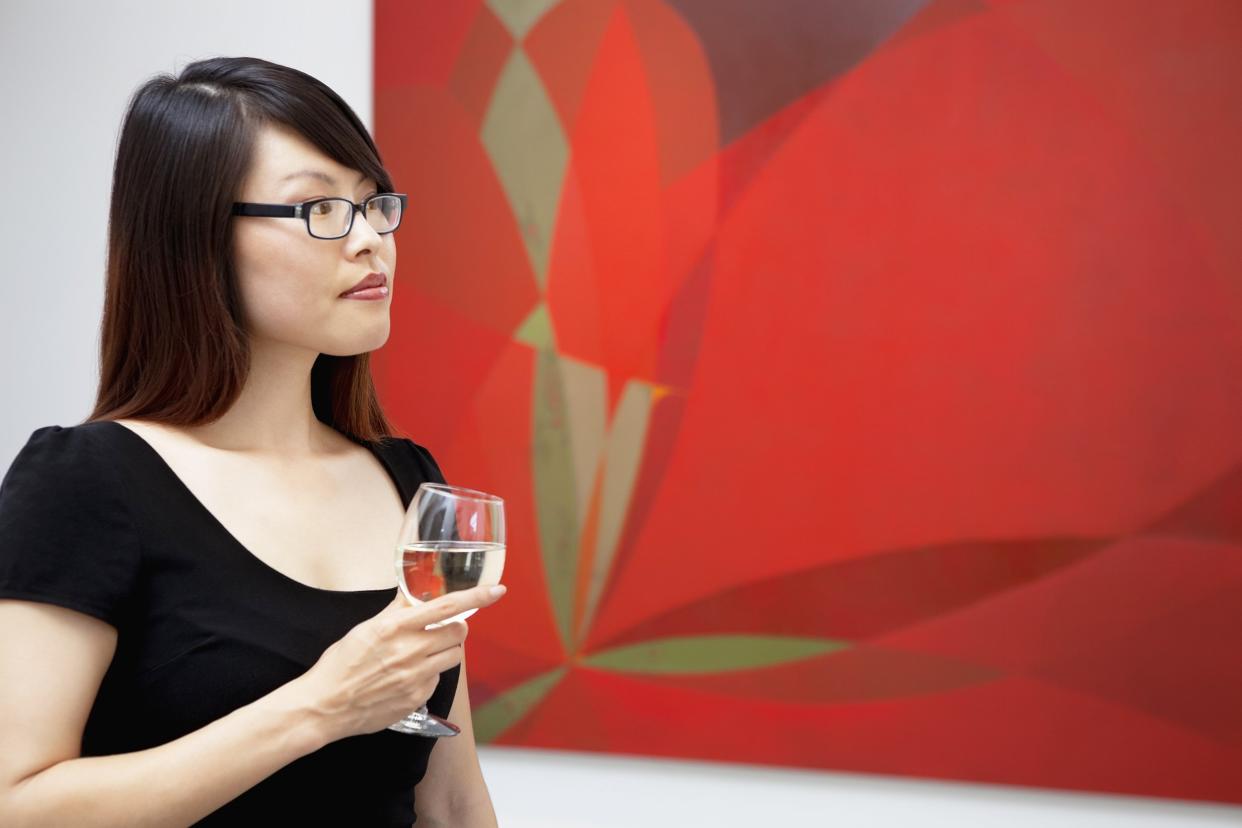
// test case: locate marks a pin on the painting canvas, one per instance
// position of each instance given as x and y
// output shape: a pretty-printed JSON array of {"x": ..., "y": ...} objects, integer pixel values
[{"x": 863, "y": 379}]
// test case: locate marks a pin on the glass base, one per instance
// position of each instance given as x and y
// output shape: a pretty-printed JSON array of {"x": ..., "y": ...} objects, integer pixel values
[{"x": 422, "y": 723}]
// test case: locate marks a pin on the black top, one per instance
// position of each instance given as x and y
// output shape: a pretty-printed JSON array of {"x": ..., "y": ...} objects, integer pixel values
[{"x": 93, "y": 519}]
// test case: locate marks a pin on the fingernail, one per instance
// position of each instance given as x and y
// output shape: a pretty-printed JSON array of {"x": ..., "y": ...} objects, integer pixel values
[{"x": 498, "y": 590}]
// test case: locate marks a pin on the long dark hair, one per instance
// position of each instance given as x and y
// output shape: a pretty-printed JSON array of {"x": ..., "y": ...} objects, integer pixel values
[{"x": 172, "y": 347}]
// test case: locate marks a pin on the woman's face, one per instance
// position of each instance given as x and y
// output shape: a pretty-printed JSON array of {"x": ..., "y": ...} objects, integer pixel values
[{"x": 291, "y": 283}]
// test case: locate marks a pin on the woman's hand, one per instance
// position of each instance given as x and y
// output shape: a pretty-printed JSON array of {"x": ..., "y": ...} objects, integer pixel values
[{"x": 387, "y": 666}]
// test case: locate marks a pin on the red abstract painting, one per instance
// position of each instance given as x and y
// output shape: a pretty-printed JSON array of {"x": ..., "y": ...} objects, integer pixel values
[{"x": 863, "y": 379}]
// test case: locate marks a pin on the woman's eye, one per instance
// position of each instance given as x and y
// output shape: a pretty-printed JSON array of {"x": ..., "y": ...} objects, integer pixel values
[{"x": 321, "y": 208}]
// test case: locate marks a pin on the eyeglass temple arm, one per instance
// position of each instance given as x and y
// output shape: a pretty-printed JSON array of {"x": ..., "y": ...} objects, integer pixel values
[{"x": 244, "y": 208}]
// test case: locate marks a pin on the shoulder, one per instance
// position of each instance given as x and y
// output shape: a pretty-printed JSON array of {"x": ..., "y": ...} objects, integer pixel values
[
  {"x": 407, "y": 451},
  {"x": 66, "y": 534},
  {"x": 62, "y": 476},
  {"x": 77, "y": 455},
  {"x": 81, "y": 436},
  {"x": 63, "y": 470}
]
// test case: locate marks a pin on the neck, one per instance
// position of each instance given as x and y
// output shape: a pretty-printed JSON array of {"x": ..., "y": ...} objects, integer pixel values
[{"x": 273, "y": 414}]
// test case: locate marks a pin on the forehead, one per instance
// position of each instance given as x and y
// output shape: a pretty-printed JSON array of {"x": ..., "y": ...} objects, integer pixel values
[{"x": 281, "y": 157}]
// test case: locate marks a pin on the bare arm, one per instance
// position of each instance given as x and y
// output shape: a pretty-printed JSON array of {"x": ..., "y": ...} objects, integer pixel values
[
  {"x": 453, "y": 792},
  {"x": 52, "y": 661}
]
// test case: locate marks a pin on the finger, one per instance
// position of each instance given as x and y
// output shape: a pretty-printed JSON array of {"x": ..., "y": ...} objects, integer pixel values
[
  {"x": 398, "y": 602},
  {"x": 446, "y": 660},
  {"x": 446, "y": 606},
  {"x": 415, "y": 647},
  {"x": 447, "y": 637},
  {"x": 387, "y": 621},
  {"x": 439, "y": 639}
]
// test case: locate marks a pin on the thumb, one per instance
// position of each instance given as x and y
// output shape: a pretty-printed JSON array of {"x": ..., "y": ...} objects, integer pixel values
[{"x": 398, "y": 601}]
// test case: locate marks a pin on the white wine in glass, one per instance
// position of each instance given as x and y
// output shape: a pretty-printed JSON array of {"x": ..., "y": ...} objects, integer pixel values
[
  {"x": 452, "y": 539},
  {"x": 433, "y": 568}
]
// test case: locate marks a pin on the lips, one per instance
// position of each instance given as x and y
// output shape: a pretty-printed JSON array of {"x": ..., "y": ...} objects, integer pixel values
[{"x": 371, "y": 280}]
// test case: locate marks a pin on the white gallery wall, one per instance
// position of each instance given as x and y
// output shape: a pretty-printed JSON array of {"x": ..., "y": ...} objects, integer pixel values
[{"x": 67, "y": 68}]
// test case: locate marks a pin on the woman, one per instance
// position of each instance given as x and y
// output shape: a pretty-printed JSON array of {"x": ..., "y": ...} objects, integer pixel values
[{"x": 198, "y": 622}]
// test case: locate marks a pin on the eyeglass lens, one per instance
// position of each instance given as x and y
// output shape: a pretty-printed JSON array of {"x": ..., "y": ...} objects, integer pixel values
[{"x": 332, "y": 217}]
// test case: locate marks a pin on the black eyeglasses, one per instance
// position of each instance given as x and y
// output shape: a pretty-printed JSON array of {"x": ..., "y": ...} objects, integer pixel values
[{"x": 333, "y": 218}]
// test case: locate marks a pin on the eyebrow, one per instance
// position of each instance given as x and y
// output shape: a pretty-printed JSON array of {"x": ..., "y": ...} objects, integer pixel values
[{"x": 320, "y": 175}]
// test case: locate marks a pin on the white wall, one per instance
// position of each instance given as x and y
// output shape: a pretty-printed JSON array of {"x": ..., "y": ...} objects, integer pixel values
[
  {"x": 66, "y": 72},
  {"x": 551, "y": 789}
]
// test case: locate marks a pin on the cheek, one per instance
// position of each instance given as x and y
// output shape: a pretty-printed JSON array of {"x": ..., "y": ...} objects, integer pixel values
[{"x": 279, "y": 280}]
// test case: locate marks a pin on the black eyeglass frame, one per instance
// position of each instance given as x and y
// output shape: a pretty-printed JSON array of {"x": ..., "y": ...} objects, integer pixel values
[{"x": 302, "y": 211}]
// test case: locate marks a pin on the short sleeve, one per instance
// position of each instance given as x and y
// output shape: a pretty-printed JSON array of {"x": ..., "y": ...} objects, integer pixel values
[{"x": 66, "y": 537}]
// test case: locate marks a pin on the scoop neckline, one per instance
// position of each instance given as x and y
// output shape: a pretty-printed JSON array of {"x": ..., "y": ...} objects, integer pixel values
[{"x": 236, "y": 542}]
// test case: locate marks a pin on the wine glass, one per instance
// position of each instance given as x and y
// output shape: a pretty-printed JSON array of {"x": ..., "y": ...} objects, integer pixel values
[{"x": 452, "y": 539}]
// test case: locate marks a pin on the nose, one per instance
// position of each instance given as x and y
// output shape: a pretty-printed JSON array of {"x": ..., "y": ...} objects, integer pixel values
[{"x": 362, "y": 238}]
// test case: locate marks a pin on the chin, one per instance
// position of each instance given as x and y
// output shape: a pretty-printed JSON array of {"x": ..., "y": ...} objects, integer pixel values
[{"x": 358, "y": 345}]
